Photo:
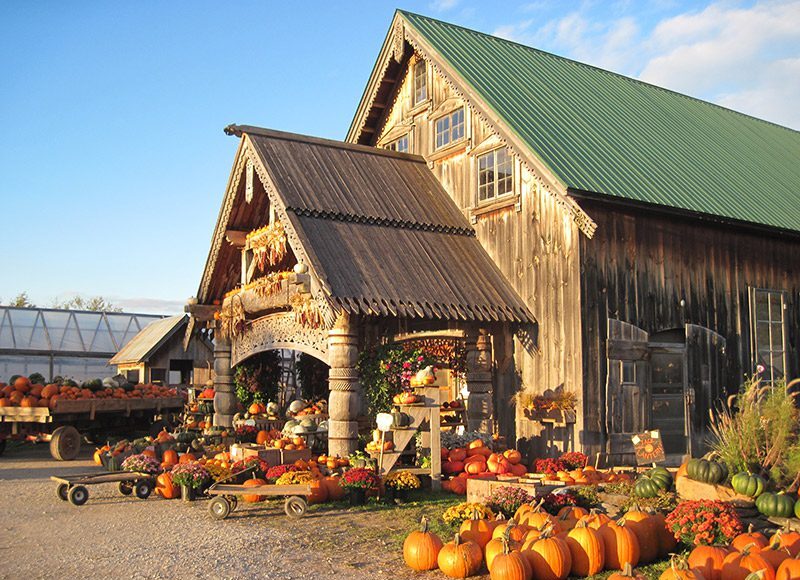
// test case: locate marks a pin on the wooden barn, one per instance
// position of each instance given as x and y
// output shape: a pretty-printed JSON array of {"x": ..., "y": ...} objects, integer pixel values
[{"x": 627, "y": 252}]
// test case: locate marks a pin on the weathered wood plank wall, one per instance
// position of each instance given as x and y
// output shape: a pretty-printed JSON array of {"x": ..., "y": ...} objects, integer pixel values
[
  {"x": 638, "y": 268},
  {"x": 531, "y": 239}
]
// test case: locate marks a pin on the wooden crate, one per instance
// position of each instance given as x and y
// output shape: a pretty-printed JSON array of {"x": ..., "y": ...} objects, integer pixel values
[
  {"x": 479, "y": 490},
  {"x": 292, "y": 455}
]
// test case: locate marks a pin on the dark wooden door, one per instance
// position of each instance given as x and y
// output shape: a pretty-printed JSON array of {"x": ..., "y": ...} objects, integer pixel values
[
  {"x": 627, "y": 385},
  {"x": 668, "y": 410},
  {"x": 706, "y": 377}
]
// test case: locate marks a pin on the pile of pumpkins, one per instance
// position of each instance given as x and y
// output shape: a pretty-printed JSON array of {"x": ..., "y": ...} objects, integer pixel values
[
  {"x": 477, "y": 458},
  {"x": 771, "y": 504},
  {"x": 22, "y": 393},
  {"x": 300, "y": 408},
  {"x": 589, "y": 476},
  {"x": 537, "y": 544}
]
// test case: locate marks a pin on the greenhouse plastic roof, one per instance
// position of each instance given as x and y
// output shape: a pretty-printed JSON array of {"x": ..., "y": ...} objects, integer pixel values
[{"x": 68, "y": 332}]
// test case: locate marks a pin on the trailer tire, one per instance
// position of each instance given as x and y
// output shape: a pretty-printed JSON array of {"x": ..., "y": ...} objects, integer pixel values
[
  {"x": 219, "y": 508},
  {"x": 295, "y": 506},
  {"x": 142, "y": 489},
  {"x": 62, "y": 491},
  {"x": 125, "y": 487},
  {"x": 65, "y": 443},
  {"x": 78, "y": 495}
]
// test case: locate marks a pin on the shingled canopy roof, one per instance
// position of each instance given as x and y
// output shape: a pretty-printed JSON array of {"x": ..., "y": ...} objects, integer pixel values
[
  {"x": 149, "y": 340},
  {"x": 381, "y": 235}
]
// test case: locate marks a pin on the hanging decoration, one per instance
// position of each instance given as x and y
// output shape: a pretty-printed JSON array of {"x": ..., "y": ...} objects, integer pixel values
[
  {"x": 268, "y": 244},
  {"x": 264, "y": 286},
  {"x": 306, "y": 311},
  {"x": 231, "y": 318}
]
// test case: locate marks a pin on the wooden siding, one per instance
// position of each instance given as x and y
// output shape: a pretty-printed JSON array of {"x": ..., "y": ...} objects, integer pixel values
[
  {"x": 638, "y": 268},
  {"x": 531, "y": 238}
]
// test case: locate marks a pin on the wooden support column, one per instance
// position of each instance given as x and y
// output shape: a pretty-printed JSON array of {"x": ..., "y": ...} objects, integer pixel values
[
  {"x": 344, "y": 402},
  {"x": 224, "y": 396},
  {"x": 480, "y": 411}
]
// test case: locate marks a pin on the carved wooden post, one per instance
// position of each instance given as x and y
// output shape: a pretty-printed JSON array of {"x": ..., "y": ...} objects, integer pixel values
[
  {"x": 224, "y": 397},
  {"x": 344, "y": 402},
  {"x": 480, "y": 411}
]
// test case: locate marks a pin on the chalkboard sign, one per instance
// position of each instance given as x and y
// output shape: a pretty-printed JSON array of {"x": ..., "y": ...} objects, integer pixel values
[{"x": 649, "y": 447}]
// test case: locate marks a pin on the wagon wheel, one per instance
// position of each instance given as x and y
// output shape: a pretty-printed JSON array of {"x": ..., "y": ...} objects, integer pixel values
[
  {"x": 65, "y": 443},
  {"x": 234, "y": 503},
  {"x": 142, "y": 488},
  {"x": 219, "y": 508},
  {"x": 78, "y": 495},
  {"x": 62, "y": 490},
  {"x": 125, "y": 487},
  {"x": 295, "y": 506}
]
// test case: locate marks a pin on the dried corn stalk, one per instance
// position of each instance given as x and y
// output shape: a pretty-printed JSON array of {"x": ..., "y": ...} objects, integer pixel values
[
  {"x": 306, "y": 311},
  {"x": 268, "y": 244},
  {"x": 231, "y": 319}
]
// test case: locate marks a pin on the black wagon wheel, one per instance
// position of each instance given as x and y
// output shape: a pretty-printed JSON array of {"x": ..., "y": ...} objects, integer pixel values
[
  {"x": 219, "y": 508},
  {"x": 62, "y": 490},
  {"x": 125, "y": 487},
  {"x": 234, "y": 503},
  {"x": 78, "y": 495},
  {"x": 65, "y": 443},
  {"x": 295, "y": 506},
  {"x": 143, "y": 488}
]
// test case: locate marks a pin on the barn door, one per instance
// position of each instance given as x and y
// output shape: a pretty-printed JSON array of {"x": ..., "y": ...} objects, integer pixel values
[
  {"x": 627, "y": 385},
  {"x": 706, "y": 373}
]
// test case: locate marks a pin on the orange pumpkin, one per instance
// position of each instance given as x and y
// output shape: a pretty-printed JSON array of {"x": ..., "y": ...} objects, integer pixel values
[
  {"x": 679, "y": 569},
  {"x": 421, "y": 548},
  {"x": 774, "y": 554},
  {"x": 709, "y": 560},
  {"x": 170, "y": 456},
  {"x": 22, "y": 384},
  {"x": 620, "y": 545},
  {"x": 187, "y": 458},
  {"x": 646, "y": 530},
  {"x": 513, "y": 456},
  {"x": 788, "y": 570},
  {"x": 476, "y": 529},
  {"x": 252, "y": 498},
  {"x": 495, "y": 547},
  {"x": 335, "y": 491},
  {"x": 29, "y": 402},
  {"x": 510, "y": 564},
  {"x": 262, "y": 437},
  {"x": 165, "y": 488},
  {"x": 511, "y": 530},
  {"x": 739, "y": 565},
  {"x": 666, "y": 540},
  {"x": 627, "y": 573},
  {"x": 457, "y": 454},
  {"x": 319, "y": 492},
  {"x": 548, "y": 556},
  {"x": 459, "y": 559},
  {"x": 788, "y": 539},
  {"x": 568, "y": 516},
  {"x": 741, "y": 541},
  {"x": 49, "y": 391},
  {"x": 4, "y": 402},
  {"x": 586, "y": 548}
]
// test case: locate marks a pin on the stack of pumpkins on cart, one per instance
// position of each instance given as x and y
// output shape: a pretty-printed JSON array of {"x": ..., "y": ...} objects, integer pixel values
[{"x": 535, "y": 544}]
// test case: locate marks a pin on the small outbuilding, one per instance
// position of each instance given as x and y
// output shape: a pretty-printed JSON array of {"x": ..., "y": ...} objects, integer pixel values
[{"x": 156, "y": 355}]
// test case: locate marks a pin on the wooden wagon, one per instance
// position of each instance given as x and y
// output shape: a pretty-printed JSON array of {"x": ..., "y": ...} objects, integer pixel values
[
  {"x": 225, "y": 495},
  {"x": 73, "y": 489}
]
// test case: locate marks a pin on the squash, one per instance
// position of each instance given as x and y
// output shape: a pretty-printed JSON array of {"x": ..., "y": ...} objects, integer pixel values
[
  {"x": 774, "y": 555},
  {"x": 666, "y": 540},
  {"x": 421, "y": 548},
  {"x": 620, "y": 545},
  {"x": 459, "y": 559},
  {"x": 706, "y": 471},
  {"x": 741, "y": 541},
  {"x": 335, "y": 491},
  {"x": 170, "y": 456},
  {"x": 495, "y": 547},
  {"x": 476, "y": 529},
  {"x": 319, "y": 492},
  {"x": 596, "y": 519},
  {"x": 586, "y": 549},
  {"x": 788, "y": 570},
  {"x": 513, "y": 456},
  {"x": 253, "y": 498},
  {"x": 775, "y": 505},
  {"x": 549, "y": 557},
  {"x": 165, "y": 488},
  {"x": 511, "y": 529},
  {"x": 787, "y": 538},
  {"x": 749, "y": 484},
  {"x": 739, "y": 565},
  {"x": 569, "y": 516},
  {"x": 644, "y": 527},
  {"x": 708, "y": 559},
  {"x": 510, "y": 564}
]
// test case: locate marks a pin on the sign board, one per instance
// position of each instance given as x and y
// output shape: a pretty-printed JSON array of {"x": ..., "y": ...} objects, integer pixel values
[{"x": 648, "y": 447}]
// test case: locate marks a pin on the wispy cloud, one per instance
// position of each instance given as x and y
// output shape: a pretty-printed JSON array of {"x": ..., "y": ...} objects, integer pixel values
[
  {"x": 150, "y": 305},
  {"x": 444, "y": 5},
  {"x": 743, "y": 57}
]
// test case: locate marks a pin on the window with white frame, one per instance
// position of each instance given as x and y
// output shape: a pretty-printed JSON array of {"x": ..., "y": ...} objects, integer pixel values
[
  {"x": 400, "y": 144},
  {"x": 768, "y": 328},
  {"x": 495, "y": 174},
  {"x": 420, "y": 82},
  {"x": 450, "y": 128}
]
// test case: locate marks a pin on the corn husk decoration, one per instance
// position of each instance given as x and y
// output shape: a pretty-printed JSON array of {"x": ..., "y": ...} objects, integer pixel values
[
  {"x": 268, "y": 244},
  {"x": 231, "y": 319},
  {"x": 306, "y": 311}
]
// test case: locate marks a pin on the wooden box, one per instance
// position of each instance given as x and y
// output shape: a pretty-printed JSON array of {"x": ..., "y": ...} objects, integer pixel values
[
  {"x": 479, "y": 490},
  {"x": 246, "y": 450},
  {"x": 292, "y": 455}
]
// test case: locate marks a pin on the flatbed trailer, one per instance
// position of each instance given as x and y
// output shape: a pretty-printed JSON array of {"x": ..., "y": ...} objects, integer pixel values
[
  {"x": 72, "y": 488},
  {"x": 64, "y": 425}
]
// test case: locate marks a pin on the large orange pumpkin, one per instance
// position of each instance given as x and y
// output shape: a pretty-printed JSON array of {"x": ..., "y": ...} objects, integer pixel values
[
  {"x": 548, "y": 556},
  {"x": 170, "y": 456},
  {"x": 666, "y": 540},
  {"x": 262, "y": 437},
  {"x": 421, "y": 548},
  {"x": 645, "y": 528},
  {"x": 22, "y": 384},
  {"x": 739, "y": 565},
  {"x": 29, "y": 402},
  {"x": 476, "y": 529},
  {"x": 568, "y": 516},
  {"x": 187, "y": 458},
  {"x": 510, "y": 564},
  {"x": 788, "y": 539},
  {"x": 620, "y": 545},
  {"x": 495, "y": 547},
  {"x": 774, "y": 555},
  {"x": 165, "y": 488},
  {"x": 459, "y": 559},
  {"x": 252, "y": 498},
  {"x": 596, "y": 519},
  {"x": 49, "y": 391},
  {"x": 586, "y": 548},
  {"x": 4, "y": 402},
  {"x": 788, "y": 570},
  {"x": 335, "y": 491},
  {"x": 708, "y": 559},
  {"x": 741, "y": 541},
  {"x": 319, "y": 492}
]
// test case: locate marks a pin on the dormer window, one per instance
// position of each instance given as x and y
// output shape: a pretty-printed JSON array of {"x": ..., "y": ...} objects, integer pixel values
[
  {"x": 420, "y": 82},
  {"x": 495, "y": 175},
  {"x": 450, "y": 128}
]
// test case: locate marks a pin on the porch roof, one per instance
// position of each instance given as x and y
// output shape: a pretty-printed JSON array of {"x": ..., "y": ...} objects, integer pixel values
[{"x": 381, "y": 234}]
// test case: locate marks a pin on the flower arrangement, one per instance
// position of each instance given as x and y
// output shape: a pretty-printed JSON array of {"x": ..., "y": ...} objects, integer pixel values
[
  {"x": 704, "y": 523},
  {"x": 506, "y": 500},
  {"x": 294, "y": 477},
  {"x": 359, "y": 478},
  {"x": 142, "y": 464},
  {"x": 261, "y": 466},
  {"x": 190, "y": 474},
  {"x": 574, "y": 459},
  {"x": 246, "y": 434},
  {"x": 274, "y": 473},
  {"x": 560, "y": 400},
  {"x": 555, "y": 501},
  {"x": 402, "y": 480},
  {"x": 217, "y": 471},
  {"x": 455, "y": 515},
  {"x": 548, "y": 466}
]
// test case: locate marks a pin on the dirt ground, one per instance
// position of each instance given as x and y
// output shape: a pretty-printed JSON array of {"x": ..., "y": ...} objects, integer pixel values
[{"x": 113, "y": 536}]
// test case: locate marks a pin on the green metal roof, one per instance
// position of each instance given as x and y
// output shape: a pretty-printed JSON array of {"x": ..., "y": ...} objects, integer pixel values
[{"x": 605, "y": 133}]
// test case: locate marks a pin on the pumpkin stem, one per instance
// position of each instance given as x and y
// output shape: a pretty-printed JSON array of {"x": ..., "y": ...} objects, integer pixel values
[
  {"x": 511, "y": 523},
  {"x": 506, "y": 546},
  {"x": 424, "y": 525},
  {"x": 759, "y": 575},
  {"x": 747, "y": 549},
  {"x": 627, "y": 570},
  {"x": 457, "y": 539}
]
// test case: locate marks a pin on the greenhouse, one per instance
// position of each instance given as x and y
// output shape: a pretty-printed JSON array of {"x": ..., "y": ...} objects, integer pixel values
[{"x": 73, "y": 344}]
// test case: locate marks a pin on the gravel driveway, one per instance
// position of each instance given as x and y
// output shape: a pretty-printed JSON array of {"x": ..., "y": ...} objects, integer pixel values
[{"x": 117, "y": 537}]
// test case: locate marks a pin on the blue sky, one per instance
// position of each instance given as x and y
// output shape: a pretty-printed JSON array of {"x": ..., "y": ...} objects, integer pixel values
[{"x": 112, "y": 156}]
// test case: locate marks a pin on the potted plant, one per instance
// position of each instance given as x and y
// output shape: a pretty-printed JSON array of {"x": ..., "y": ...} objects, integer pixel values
[
  {"x": 141, "y": 464},
  {"x": 358, "y": 481},
  {"x": 400, "y": 483},
  {"x": 191, "y": 477}
]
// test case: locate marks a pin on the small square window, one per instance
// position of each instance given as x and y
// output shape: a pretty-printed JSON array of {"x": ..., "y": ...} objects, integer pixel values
[
  {"x": 449, "y": 128},
  {"x": 628, "y": 372},
  {"x": 158, "y": 376},
  {"x": 420, "y": 82},
  {"x": 768, "y": 324},
  {"x": 495, "y": 174},
  {"x": 400, "y": 144}
]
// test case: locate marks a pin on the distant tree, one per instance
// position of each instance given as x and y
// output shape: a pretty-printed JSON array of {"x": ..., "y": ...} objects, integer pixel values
[
  {"x": 21, "y": 301},
  {"x": 96, "y": 304}
]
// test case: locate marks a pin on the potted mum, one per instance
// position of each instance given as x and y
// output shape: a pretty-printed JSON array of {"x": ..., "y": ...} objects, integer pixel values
[
  {"x": 141, "y": 464},
  {"x": 358, "y": 481},
  {"x": 399, "y": 484},
  {"x": 191, "y": 477}
]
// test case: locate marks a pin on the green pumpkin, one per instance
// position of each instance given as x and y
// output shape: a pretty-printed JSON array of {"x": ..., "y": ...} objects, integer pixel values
[
  {"x": 775, "y": 505},
  {"x": 400, "y": 420},
  {"x": 706, "y": 471},
  {"x": 660, "y": 476},
  {"x": 749, "y": 484},
  {"x": 797, "y": 509},
  {"x": 646, "y": 487}
]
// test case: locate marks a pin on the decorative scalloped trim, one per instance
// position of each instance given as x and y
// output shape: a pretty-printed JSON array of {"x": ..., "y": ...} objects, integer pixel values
[{"x": 379, "y": 221}]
